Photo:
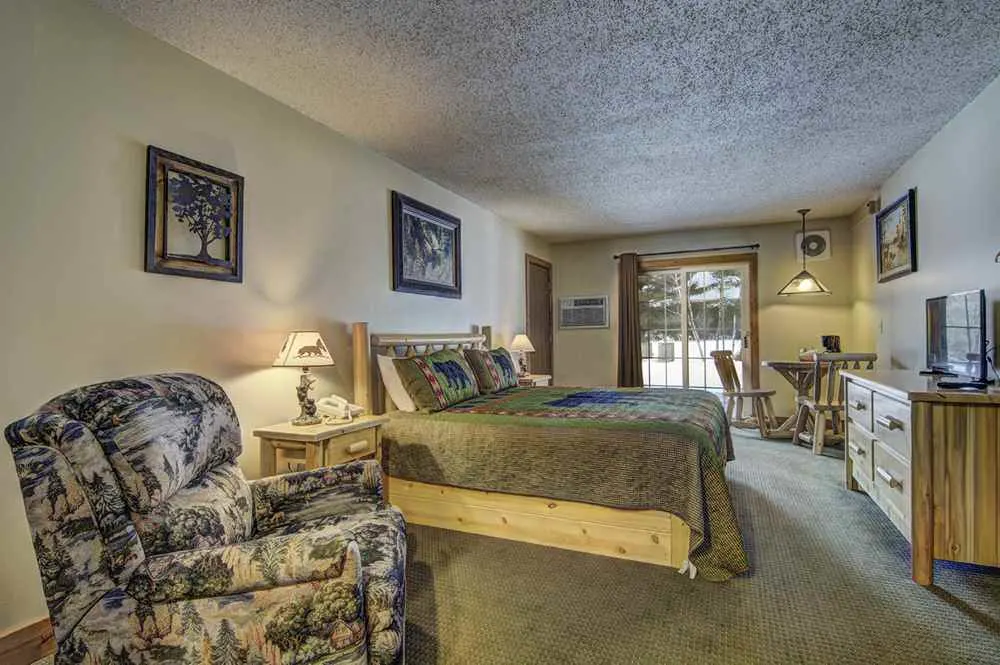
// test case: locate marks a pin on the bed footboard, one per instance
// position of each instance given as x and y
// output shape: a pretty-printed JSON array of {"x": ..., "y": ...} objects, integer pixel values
[{"x": 650, "y": 536}]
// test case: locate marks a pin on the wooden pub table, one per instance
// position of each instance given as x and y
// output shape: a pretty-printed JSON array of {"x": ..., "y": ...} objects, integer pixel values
[{"x": 799, "y": 373}]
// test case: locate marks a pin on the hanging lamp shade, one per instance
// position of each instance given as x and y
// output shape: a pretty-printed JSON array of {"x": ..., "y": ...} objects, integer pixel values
[{"x": 804, "y": 284}]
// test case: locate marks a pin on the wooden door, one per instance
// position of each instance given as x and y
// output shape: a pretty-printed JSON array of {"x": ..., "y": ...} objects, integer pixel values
[{"x": 538, "y": 324}]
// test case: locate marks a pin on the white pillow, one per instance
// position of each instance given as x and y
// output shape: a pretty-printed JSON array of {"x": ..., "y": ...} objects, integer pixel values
[{"x": 394, "y": 384}]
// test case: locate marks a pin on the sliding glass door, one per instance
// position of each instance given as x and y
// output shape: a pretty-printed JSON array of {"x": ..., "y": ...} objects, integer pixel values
[{"x": 687, "y": 312}]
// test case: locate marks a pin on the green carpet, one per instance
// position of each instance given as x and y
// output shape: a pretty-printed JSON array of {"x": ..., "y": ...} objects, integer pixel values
[{"x": 830, "y": 583}]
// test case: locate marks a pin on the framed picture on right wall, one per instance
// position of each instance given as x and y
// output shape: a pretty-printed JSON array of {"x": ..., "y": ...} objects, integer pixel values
[{"x": 896, "y": 238}]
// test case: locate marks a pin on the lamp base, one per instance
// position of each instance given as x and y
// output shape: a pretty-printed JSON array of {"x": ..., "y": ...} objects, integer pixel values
[
  {"x": 304, "y": 419},
  {"x": 522, "y": 365},
  {"x": 307, "y": 405}
]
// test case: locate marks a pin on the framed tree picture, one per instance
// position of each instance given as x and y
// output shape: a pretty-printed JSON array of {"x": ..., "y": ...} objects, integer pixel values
[
  {"x": 194, "y": 218},
  {"x": 896, "y": 238},
  {"x": 426, "y": 249}
]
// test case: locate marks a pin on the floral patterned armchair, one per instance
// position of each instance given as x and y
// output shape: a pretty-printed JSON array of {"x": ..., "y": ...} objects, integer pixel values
[{"x": 153, "y": 548}]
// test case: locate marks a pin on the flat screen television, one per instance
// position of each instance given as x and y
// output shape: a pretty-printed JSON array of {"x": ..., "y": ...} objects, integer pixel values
[{"x": 956, "y": 334}]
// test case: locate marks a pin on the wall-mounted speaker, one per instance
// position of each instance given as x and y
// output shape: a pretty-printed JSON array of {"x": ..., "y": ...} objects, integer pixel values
[{"x": 874, "y": 206}]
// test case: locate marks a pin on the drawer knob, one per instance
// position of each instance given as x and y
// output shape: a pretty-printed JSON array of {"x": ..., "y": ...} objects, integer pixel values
[
  {"x": 859, "y": 405},
  {"x": 888, "y": 477},
  {"x": 889, "y": 422},
  {"x": 857, "y": 450},
  {"x": 357, "y": 447}
]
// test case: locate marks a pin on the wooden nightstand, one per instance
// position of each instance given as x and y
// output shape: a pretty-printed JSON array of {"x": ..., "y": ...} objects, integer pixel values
[
  {"x": 324, "y": 445},
  {"x": 535, "y": 380}
]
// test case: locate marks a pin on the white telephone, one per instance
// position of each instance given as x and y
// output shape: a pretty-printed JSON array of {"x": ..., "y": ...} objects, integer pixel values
[{"x": 335, "y": 407}]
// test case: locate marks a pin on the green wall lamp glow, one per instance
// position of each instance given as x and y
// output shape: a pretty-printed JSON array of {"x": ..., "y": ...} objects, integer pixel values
[{"x": 804, "y": 284}]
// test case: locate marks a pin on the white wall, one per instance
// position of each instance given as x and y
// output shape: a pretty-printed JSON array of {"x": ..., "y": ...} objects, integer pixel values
[
  {"x": 864, "y": 311},
  {"x": 957, "y": 178},
  {"x": 589, "y": 357},
  {"x": 83, "y": 94}
]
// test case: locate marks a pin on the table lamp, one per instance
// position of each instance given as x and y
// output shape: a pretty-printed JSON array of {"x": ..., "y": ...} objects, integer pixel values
[
  {"x": 305, "y": 349},
  {"x": 523, "y": 346}
]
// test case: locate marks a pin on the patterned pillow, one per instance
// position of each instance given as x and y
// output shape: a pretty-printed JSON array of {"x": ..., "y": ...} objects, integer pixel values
[
  {"x": 437, "y": 381},
  {"x": 485, "y": 368},
  {"x": 506, "y": 367}
]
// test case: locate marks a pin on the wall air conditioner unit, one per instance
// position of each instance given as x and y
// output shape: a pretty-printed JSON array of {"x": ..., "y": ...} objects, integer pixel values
[{"x": 583, "y": 312}]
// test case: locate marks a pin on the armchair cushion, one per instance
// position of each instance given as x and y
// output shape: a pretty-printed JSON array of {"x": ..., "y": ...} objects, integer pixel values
[
  {"x": 215, "y": 509},
  {"x": 320, "y": 620}
]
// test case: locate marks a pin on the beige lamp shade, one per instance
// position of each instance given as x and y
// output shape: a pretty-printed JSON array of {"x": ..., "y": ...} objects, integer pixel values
[
  {"x": 303, "y": 348},
  {"x": 804, "y": 284},
  {"x": 522, "y": 343}
]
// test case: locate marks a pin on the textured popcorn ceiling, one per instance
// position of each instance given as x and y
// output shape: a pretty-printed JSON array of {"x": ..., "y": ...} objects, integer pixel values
[{"x": 600, "y": 118}]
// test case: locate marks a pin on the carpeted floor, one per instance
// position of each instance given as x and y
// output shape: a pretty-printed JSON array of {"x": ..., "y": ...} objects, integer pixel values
[{"x": 830, "y": 584}]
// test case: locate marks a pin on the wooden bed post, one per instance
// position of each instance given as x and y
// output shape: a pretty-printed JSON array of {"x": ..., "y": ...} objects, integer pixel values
[{"x": 362, "y": 366}]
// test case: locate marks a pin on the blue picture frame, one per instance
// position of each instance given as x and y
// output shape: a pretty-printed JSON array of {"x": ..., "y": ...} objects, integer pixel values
[
  {"x": 194, "y": 218},
  {"x": 426, "y": 249}
]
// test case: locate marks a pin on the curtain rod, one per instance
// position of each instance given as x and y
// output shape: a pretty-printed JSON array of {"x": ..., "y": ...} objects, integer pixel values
[{"x": 754, "y": 247}]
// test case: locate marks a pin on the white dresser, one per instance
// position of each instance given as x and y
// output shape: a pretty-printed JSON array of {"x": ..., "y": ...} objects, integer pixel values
[{"x": 930, "y": 460}]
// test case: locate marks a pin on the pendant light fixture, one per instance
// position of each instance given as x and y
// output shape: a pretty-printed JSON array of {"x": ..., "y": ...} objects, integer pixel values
[{"x": 804, "y": 284}]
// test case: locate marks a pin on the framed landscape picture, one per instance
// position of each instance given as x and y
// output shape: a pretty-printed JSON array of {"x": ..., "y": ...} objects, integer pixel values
[
  {"x": 426, "y": 249},
  {"x": 194, "y": 218},
  {"x": 896, "y": 238}
]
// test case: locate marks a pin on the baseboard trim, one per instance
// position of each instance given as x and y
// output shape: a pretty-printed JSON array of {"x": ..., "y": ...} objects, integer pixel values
[{"x": 25, "y": 645}]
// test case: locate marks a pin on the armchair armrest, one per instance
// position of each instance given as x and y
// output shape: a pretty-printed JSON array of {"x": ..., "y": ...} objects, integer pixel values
[
  {"x": 250, "y": 566},
  {"x": 363, "y": 477},
  {"x": 281, "y": 499}
]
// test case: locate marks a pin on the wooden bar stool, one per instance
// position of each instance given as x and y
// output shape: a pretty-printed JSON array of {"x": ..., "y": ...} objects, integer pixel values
[
  {"x": 762, "y": 412},
  {"x": 826, "y": 403}
]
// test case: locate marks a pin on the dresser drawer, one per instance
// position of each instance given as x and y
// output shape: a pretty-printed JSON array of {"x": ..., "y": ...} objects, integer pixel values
[
  {"x": 859, "y": 449},
  {"x": 891, "y": 424},
  {"x": 348, "y": 447},
  {"x": 859, "y": 405},
  {"x": 891, "y": 482}
]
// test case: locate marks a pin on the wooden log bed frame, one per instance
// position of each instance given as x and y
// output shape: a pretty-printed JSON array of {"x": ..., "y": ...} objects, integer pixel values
[{"x": 651, "y": 536}]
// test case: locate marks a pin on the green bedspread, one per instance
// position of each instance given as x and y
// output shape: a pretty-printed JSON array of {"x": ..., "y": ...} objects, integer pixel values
[{"x": 619, "y": 447}]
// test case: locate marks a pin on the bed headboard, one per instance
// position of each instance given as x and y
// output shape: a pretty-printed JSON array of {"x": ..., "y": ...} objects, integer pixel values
[{"x": 368, "y": 389}]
